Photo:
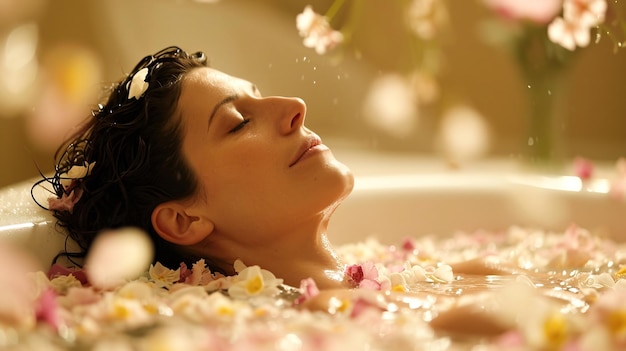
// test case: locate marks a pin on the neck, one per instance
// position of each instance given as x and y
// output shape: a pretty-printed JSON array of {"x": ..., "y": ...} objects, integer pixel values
[{"x": 293, "y": 256}]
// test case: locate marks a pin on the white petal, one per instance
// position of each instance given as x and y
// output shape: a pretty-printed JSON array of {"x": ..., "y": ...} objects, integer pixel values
[
  {"x": 556, "y": 30},
  {"x": 582, "y": 37},
  {"x": 118, "y": 255}
]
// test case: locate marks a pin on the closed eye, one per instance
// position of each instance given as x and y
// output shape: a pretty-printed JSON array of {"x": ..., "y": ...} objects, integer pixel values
[{"x": 239, "y": 126}]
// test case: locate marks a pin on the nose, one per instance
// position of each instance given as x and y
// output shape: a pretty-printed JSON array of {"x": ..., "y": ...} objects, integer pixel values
[{"x": 290, "y": 111}]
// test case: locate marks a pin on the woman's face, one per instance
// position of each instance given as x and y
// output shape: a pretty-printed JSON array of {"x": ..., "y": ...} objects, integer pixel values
[{"x": 259, "y": 167}]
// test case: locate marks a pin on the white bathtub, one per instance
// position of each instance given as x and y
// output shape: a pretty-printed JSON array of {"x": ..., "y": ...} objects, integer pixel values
[{"x": 398, "y": 196}]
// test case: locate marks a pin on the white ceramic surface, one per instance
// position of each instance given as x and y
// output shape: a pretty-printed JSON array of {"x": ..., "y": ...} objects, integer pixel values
[{"x": 400, "y": 196}]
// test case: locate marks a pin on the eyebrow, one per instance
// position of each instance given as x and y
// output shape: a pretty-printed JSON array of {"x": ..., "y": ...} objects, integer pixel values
[{"x": 218, "y": 105}]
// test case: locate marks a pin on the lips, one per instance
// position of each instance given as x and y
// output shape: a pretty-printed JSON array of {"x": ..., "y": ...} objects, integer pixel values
[{"x": 309, "y": 143}]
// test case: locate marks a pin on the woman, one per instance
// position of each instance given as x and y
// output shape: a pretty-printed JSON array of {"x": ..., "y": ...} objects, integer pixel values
[
  {"x": 209, "y": 168},
  {"x": 212, "y": 169}
]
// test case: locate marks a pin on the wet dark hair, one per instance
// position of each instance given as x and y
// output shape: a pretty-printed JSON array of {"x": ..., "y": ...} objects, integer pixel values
[{"x": 136, "y": 144}]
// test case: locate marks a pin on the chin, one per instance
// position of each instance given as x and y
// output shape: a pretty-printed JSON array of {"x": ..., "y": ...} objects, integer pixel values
[{"x": 344, "y": 179}]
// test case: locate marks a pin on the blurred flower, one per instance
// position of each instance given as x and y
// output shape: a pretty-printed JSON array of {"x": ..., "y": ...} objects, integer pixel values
[
  {"x": 47, "y": 309},
  {"x": 568, "y": 34},
  {"x": 609, "y": 312},
  {"x": 569, "y": 22},
  {"x": 18, "y": 289},
  {"x": 427, "y": 18},
  {"x": 117, "y": 256},
  {"x": 589, "y": 13},
  {"x": 19, "y": 67},
  {"x": 70, "y": 79},
  {"x": 583, "y": 168},
  {"x": 538, "y": 11},
  {"x": 316, "y": 31},
  {"x": 391, "y": 105},
  {"x": 426, "y": 87},
  {"x": 463, "y": 134},
  {"x": 579, "y": 16},
  {"x": 543, "y": 327}
]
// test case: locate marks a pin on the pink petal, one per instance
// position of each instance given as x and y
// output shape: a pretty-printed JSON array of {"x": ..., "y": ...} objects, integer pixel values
[
  {"x": 361, "y": 305},
  {"x": 308, "y": 289},
  {"x": 369, "y": 271},
  {"x": 369, "y": 284},
  {"x": 47, "y": 309},
  {"x": 583, "y": 168}
]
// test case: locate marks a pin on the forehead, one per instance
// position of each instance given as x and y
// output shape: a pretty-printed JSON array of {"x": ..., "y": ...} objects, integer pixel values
[
  {"x": 212, "y": 80},
  {"x": 202, "y": 89}
]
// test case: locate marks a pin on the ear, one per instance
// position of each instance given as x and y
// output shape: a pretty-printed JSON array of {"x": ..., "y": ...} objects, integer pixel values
[{"x": 175, "y": 223}]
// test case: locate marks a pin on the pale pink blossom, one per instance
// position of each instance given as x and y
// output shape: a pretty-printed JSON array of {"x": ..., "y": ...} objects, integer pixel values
[
  {"x": 588, "y": 13},
  {"x": 316, "y": 31},
  {"x": 579, "y": 16},
  {"x": 538, "y": 11},
  {"x": 364, "y": 276},
  {"x": 569, "y": 34}
]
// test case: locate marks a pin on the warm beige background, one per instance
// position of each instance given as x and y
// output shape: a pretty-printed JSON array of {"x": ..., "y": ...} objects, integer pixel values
[{"x": 257, "y": 40}]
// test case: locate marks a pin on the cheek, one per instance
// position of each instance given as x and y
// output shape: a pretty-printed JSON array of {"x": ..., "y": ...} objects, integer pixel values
[{"x": 249, "y": 173}]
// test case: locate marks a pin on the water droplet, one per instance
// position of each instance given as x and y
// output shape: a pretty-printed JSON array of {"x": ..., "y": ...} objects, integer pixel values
[
  {"x": 531, "y": 141},
  {"x": 302, "y": 77},
  {"x": 549, "y": 92},
  {"x": 314, "y": 82},
  {"x": 529, "y": 86},
  {"x": 315, "y": 68},
  {"x": 339, "y": 77},
  {"x": 304, "y": 59},
  {"x": 297, "y": 60}
]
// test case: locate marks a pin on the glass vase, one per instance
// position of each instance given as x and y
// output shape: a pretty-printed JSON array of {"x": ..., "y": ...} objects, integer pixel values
[{"x": 543, "y": 67}]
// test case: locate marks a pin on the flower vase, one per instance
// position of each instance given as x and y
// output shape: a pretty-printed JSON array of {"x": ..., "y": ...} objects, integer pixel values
[{"x": 544, "y": 69}]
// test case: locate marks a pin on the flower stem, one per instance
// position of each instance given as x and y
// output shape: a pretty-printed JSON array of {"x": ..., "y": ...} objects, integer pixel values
[{"x": 333, "y": 9}]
